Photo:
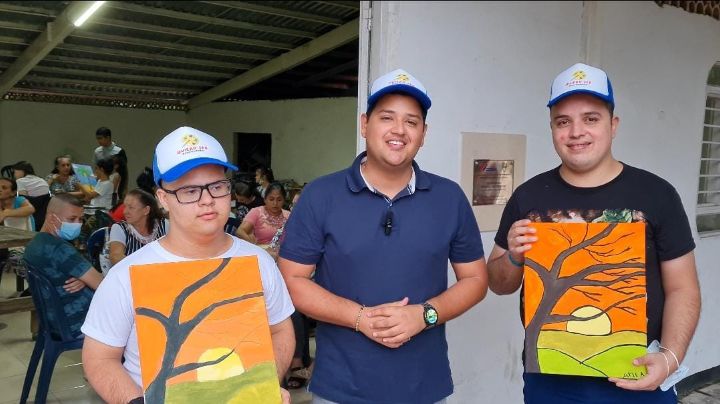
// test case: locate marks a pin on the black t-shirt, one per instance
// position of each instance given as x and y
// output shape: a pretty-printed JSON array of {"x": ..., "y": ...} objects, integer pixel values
[{"x": 634, "y": 195}]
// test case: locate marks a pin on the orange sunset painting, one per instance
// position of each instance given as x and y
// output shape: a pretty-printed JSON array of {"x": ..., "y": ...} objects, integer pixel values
[
  {"x": 584, "y": 299},
  {"x": 203, "y": 332}
]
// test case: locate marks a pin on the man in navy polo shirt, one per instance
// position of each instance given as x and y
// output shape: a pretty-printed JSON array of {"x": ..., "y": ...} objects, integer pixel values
[{"x": 378, "y": 236}]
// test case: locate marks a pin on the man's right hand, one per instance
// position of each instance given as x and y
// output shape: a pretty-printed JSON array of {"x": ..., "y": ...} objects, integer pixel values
[{"x": 520, "y": 238}]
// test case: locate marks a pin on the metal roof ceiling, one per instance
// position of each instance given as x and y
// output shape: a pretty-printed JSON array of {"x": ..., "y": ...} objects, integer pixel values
[{"x": 178, "y": 54}]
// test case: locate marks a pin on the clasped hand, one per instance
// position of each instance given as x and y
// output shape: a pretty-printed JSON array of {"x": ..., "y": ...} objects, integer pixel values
[{"x": 392, "y": 324}]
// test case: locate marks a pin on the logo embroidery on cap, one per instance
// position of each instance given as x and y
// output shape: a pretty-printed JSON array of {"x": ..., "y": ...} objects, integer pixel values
[
  {"x": 401, "y": 78},
  {"x": 190, "y": 140},
  {"x": 190, "y": 145},
  {"x": 578, "y": 79}
]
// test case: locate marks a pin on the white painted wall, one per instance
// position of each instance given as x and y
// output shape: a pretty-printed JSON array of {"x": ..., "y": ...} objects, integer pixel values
[
  {"x": 488, "y": 68},
  {"x": 310, "y": 137},
  {"x": 38, "y": 132}
]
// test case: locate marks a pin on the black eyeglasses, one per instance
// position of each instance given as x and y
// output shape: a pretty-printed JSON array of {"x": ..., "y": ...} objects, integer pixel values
[{"x": 193, "y": 193}]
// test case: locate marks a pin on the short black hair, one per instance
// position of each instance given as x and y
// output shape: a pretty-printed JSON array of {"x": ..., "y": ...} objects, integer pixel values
[
  {"x": 106, "y": 165},
  {"x": 25, "y": 167},
  {"x": 145, "y": 180},
  {"x": 371, "y": 107},
  {"x": 103, "y": 131}
]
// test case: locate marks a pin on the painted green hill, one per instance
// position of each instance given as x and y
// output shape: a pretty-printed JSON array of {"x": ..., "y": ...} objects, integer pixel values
[
  {"x": 258, "y": 385},
  {"x": 559, "y": 363},
  {"x": 583, "y": 347},
  {"x": 616, "y": 362}
]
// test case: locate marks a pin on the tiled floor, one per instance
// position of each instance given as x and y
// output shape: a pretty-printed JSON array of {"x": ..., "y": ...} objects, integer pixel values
[{"x": 67, "y": 384}]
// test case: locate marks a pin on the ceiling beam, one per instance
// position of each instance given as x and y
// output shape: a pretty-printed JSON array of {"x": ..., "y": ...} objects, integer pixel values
[
  {"x": 117, "y": 77},
  {"x": 195, "y": 64},
  {"x": 298, "y": 15},
  {"x": 133, "y": 67},
  {"x": 55, "y": 33},
  {"x": 327, "y": 73},
  {"x": 323, "y": 44},
  {"x": 169, "y": 45},
  {"x": 137, "y": 8},
  {"x": 158, "y": 29},
  {"x": 27, "y": 10},
  {"x": 352, "y": 5},
  {"x": 60, "y": 83},
  {"x": 11, "y": 40},
  {"x": 100, "y": 94}
]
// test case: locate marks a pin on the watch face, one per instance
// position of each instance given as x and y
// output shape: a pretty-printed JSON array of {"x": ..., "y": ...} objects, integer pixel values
[{"x": 431, "y": 316}]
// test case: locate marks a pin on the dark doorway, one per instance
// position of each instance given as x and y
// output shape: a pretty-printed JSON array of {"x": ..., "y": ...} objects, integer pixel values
[{"x": 252, "y": 150}]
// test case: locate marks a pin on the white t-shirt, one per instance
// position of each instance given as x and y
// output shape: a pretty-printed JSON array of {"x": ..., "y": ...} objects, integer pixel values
[
  {"x": 104, "y": 198},
  {"x": 33, "y": 185},
  {"x": 111, "y": 319}
]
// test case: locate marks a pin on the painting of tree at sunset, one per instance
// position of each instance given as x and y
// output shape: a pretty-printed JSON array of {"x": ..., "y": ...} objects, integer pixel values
[
  {"x": 203, "y": 332},
  {"x": 585, "y": 299}
]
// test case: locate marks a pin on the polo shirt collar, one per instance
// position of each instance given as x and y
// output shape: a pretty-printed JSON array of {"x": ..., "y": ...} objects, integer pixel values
[{"x": 356, "y": 182}]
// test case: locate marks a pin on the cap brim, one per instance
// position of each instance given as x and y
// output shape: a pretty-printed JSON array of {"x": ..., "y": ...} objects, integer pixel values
[
  {"x": 420, "y": 96},
  {"x": 561, "y": 97},
  {"x": 182, "y": 168}
]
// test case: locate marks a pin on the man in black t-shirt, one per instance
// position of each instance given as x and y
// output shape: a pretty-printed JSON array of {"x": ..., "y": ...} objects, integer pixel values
[{"x": 591, "y": 186}]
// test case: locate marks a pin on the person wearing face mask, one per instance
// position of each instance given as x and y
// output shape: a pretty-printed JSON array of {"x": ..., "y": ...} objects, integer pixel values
[{"x": 54, "y": 257}]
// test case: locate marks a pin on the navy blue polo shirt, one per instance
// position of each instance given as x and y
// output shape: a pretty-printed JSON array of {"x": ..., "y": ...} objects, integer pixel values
[{"x": 339, "y": 226}]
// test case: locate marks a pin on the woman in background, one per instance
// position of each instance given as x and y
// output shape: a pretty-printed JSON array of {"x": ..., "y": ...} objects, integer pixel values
[
  {"x": 261, "y": 224},
  {"x": 144, "y": 223},
  {"x": 62, "y": 179},
  {"x": 15, "y": 211}
]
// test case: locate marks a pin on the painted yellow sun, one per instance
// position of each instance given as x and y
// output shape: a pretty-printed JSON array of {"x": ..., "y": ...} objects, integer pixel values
[
  {"x": 229, "y": 367},
  {"x": 599, "y": 325}
]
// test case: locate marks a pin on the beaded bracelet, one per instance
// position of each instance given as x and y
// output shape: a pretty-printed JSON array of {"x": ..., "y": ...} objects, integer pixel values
[{"x": 357, "y": 319}]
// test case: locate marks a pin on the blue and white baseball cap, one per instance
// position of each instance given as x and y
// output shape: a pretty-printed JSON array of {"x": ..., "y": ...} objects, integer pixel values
[
  {"x": 399, "y": 81},
  {"x": 581, "y": 78},
  {"x": 184, "y": 149}
]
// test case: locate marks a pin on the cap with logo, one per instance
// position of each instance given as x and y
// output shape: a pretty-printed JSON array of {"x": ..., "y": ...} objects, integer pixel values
[
  {"x": 578, "y": 79},
  {"x": 399, "y": 81},
  {"x": 182, "y": 150}
]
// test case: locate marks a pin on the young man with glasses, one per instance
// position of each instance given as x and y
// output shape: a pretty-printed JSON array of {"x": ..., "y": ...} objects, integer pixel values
[{"x": 189, "y": 169}]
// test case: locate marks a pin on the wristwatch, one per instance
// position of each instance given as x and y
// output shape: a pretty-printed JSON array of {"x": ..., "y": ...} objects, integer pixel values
[{"x": 430, "y": 315}]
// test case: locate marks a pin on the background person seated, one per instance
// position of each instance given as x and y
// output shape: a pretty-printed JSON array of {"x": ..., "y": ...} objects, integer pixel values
[
  {"x": 263, "y": 223},
  {"x": 34, "y": 188},
  {"x": 51, "y": 254},
  {"x": 246, "y": 198},
  {"x": 15, "y": 211},
  {"x": 144, "y": 223},
  {"x": 62, "y": 178}
]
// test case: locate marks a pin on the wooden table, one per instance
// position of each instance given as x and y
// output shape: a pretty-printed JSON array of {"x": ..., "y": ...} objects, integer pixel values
[{"x": 11, "y": 237}]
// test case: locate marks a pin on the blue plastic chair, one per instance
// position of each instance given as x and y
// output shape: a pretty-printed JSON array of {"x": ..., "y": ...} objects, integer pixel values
[
  {"x": 95, "y": 244},
  {"x": 52, "y": 340}
]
